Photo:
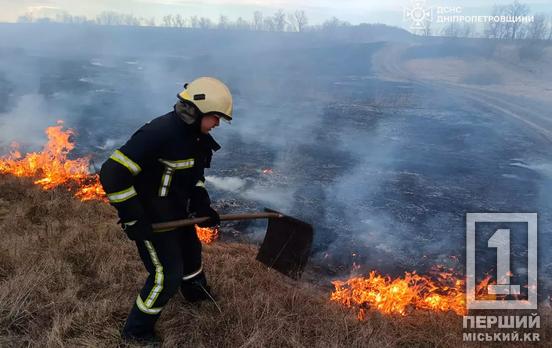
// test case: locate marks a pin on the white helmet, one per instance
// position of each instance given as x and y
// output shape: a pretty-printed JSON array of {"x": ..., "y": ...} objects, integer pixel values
[{"x": 209, "y": 95}]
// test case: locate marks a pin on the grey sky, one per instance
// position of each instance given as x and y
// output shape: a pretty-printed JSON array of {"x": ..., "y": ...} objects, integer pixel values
[{"x": 354, "y": 11}]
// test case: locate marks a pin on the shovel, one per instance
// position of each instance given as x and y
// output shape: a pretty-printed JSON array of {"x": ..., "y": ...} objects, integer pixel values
[{"x": 286, "y": 245}]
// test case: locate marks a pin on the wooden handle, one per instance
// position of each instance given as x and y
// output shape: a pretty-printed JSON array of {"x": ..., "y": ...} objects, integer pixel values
[{"x": 227, "y": 217}]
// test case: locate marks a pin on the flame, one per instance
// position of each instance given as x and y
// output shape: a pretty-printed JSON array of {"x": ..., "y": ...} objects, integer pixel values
[
  {"x": 207, "y": 235},
  {"x": 267, "y": 171},
  {"x": 51, "y": 167},
  {"x": 441, "y": 293}
]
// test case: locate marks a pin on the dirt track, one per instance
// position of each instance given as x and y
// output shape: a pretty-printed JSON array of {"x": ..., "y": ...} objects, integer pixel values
[{"x": 388, "y": 65}]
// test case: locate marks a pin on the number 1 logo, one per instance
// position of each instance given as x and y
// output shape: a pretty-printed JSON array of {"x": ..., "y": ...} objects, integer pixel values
[{"x": 501, "y": 241}]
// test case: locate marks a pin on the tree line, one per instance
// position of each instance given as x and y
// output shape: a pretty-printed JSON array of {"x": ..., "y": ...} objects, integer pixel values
[
  {"x": 280, "y": 21},
  {"x": 540, "y": 28}
]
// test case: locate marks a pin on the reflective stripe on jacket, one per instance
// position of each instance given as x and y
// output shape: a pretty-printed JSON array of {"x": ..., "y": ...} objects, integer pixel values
[{"x": 157, "y": 169}]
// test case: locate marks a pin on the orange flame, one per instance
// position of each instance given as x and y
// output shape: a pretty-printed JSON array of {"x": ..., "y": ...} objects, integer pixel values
[
  {"x": 207, "y": 235},
  {"x": 52, "y": 168},
  {"x": 441, "y": 293}
]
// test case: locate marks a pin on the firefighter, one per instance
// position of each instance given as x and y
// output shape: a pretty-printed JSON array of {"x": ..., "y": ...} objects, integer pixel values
[{"x": 158, "y": 176}]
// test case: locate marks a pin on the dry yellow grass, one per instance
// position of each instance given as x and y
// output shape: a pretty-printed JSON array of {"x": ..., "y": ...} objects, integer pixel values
[{"x": 68, "y": 277}]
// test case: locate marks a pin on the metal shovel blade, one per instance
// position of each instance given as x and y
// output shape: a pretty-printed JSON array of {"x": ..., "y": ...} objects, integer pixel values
[{"x": 286, "y": 246}]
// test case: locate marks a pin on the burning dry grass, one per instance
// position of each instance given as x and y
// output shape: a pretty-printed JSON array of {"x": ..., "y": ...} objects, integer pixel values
[
  {"x": 52, "y": 167},
  {"x": 396, "y": 296},
  {"x": 68, "y": 277}
]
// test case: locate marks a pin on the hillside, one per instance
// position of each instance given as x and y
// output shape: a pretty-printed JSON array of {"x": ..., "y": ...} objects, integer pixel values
[
  {"x": 68, "y": 276},
  {"x": 162, "y": 42}
]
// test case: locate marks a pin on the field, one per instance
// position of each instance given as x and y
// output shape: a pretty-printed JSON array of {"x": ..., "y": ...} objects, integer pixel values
[
  {"x": 383, "y": 143},
  {"x": 68, "y": 276}
]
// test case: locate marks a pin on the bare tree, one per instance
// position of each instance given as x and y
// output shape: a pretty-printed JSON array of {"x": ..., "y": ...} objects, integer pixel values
[
  {"x": 550, "y": 28},
  {"x": 268, "y": 24},
  {"x": 223, "y": 22},
  {"x": 64, "y": 17},
  {"x": 80, "y": 20},
  {"x": 279, "y": 20},
  {"x": 179, "y": 21},
  {"x": 451, "y": 30},
  {"x": 513, "y": 27},
  {"x": 331, "y": 23},
  {"x": 205, "y": 23},
  {"x": 426, "y": 31},
  {"x": 147, "y": 22},
  {"x": 515, "y": 9},
  {"x": 291, "y": 23},
  {"x": 110, "y": 18},
  {"x": 167, "y": 20},
  {"x": 537, "y": 29},
  {"x": 60, "y": 17},
  {"x": 129, "y": 19},
  {"x": 301, "y": 20},
  {"x": 496, "y": 30},
  {"x": 257, "y": 20},
  {"x": 194, "y": 22},
  {"x": 242, "y": 24},
  {"x": 115, "y": 18},
  {"x": 467, "y": 30}
]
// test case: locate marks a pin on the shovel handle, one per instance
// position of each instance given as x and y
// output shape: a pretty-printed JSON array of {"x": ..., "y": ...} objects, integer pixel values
[{"x": 227, "y": 217}]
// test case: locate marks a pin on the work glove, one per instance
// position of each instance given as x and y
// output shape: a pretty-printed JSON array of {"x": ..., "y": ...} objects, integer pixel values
[
  {"x": 206, "y": 210},
  {"x": 138, "y": 229},
  {"x": 200, "y": 205}
]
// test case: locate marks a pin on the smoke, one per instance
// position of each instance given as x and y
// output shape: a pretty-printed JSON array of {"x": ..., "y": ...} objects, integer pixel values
[
  {"x": 257, "y": 191},
  {"x": 230, "y": 184},
  {"x": 26, "y": 122},
  {"x": 384, "y": 170}
]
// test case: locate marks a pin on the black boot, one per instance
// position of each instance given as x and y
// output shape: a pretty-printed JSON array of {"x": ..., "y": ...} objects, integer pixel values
[
  {"x": 196, "y": 289},
  {"x": 139, "y": 328}
]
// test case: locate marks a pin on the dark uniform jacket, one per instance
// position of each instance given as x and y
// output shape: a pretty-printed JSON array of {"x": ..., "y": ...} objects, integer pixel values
[{"x": 160, "y": 168}]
